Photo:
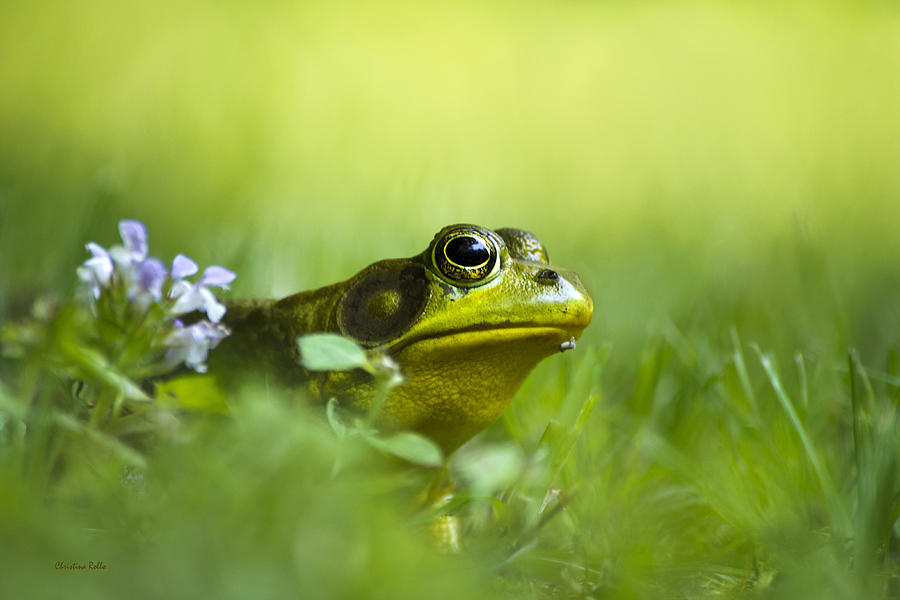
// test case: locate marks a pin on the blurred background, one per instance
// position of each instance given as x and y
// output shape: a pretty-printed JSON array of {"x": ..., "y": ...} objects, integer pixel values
[
  {"x": 686, "y": 158},
  {"x": 710, "y": 169}
]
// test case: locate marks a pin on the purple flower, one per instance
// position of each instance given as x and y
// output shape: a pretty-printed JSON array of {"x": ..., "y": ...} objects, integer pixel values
[
  {"x": 134, "y": 235},
  {"x": 183, "y": 267},
  {"x": 134, "y": 248},
  {"x": 192, "y": 344},
  {"x": 217, "y": 276},
  {"x": 190, "y": 297},
  {"x": 151, "y": 274},
  {"x": 128, "y": 263},
  {"x": 130, "y": 277}
]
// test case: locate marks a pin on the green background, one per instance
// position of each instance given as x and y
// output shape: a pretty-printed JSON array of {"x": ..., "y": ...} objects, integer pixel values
[
  {"x": 708, "y": 168},
  {"x": 681, "y": 156}
]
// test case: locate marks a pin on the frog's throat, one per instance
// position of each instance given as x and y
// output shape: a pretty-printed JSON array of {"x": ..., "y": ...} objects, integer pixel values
[{"x": 458, "y": 383}]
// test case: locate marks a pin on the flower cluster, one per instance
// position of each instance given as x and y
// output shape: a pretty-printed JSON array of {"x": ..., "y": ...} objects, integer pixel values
[{"x": 127, "y": 275}]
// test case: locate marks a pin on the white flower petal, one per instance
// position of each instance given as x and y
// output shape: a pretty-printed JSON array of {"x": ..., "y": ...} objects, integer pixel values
[
  {"x": 86, "y": 275},
  {"x": 100, "y": 268},
  {"x": 180, "y": 288},
  {"x": 96, "y": 249},
  {"x": 175, "y": 356},
  {"x": 214, "y": 309},
  {"x": 123, "y": 257},
  {"x": 187, "y": 302},
  {"x": 196, "y": 354}
]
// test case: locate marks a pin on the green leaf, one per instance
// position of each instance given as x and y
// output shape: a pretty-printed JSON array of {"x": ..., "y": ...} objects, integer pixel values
[
  {"x": 10, "y": 405},
  {"x": 96, "y": 365},
  {"x": 493, "y": 467},
  {"x": 331, "y": 352},
  {"x": 194, "y": 392},
  {"x": 411, "y": 447},
  {"x": 123, "y": 451}
]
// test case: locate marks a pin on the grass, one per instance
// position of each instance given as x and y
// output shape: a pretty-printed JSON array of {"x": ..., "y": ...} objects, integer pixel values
[{"x": 722, "y": 176}]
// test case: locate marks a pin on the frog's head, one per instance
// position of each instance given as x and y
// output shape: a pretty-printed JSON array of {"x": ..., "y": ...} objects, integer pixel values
[{"x": 466, "y": 320}]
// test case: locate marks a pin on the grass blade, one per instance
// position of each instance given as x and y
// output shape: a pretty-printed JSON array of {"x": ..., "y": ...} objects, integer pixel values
[{"x": 839, "y": 515}]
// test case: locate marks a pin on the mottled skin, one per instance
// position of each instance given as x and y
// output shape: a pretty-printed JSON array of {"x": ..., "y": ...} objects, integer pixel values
[{"x": 464, "y": 334}]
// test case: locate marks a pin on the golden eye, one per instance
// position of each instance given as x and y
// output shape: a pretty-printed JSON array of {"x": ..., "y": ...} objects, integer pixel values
[{"x": 466, "y": 257}]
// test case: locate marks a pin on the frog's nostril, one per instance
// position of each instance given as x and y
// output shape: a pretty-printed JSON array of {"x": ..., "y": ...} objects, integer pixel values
[{"x": 547, "y": 276}]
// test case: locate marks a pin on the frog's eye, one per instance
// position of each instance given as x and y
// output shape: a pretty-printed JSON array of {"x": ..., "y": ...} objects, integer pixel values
[{"x": 466, "y": 257}]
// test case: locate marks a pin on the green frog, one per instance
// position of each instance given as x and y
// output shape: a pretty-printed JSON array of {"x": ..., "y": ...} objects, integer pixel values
[{"x": 466, "y": 321}]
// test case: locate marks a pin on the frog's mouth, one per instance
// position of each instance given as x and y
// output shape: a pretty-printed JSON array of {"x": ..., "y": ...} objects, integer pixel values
[{"x": 545, "y": 338}]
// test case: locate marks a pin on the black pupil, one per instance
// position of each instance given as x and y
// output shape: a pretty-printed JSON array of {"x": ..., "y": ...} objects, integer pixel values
[{"x": 467, "y": 251}]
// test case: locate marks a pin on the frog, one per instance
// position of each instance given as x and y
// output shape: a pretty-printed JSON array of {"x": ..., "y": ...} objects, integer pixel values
[{"x": 466, "y": 321}]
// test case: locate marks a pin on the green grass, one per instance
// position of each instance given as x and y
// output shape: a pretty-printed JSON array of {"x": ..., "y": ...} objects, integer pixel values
[{"x": 722, "y": 175}]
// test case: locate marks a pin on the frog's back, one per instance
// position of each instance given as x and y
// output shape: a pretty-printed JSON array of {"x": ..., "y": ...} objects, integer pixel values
[{"x": 264, "y": 332}]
